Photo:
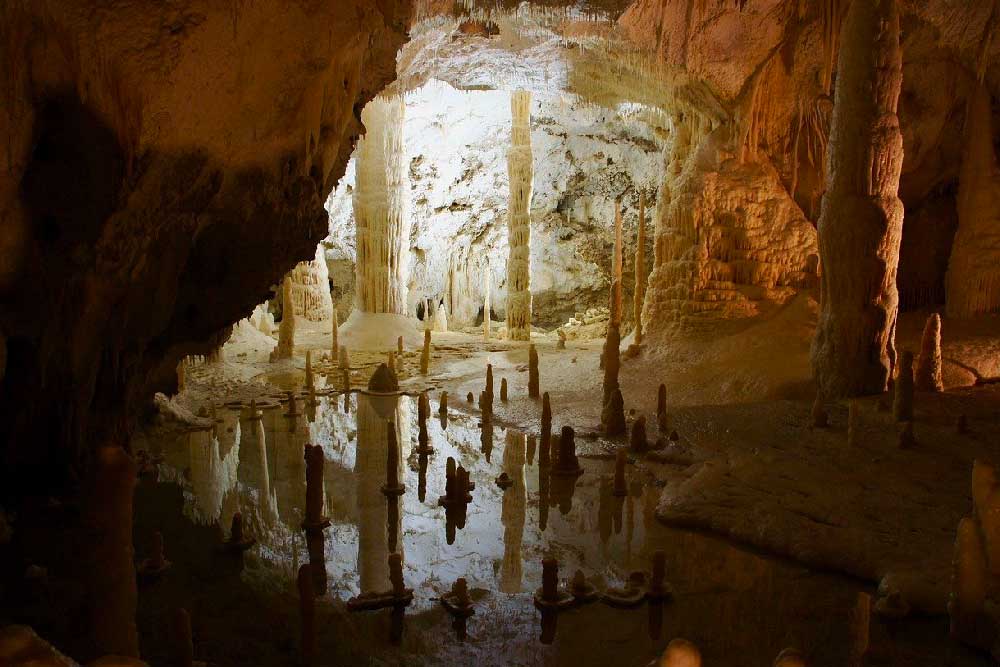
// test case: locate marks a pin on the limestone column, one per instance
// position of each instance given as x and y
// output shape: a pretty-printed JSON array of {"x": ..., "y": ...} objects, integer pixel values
[
  {"x": 286, "y": 330},
  {"x": 381, "y": 209},
  {"x": 861, "y": 220},
  {"x": 640, "y": 270},
  {"x": 520, "y": 173},
  {"x": 972, "y": 283}
]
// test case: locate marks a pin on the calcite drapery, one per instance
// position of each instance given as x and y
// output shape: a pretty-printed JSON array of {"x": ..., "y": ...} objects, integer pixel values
[
  {"x": 861, "y": 221},
  {"x": 381, "y": 209},
  {"x": 311, "y": 288},
  {"x": 520, "y": 172}
]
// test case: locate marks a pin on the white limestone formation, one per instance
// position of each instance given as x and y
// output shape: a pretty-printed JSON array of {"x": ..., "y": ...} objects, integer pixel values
[
  {"x": 286, "y": 330},
  {"x": 381, "y": 209},
  {"x": 440, "y": 319},
  {"x": 262, "y": 319},
  {"x": 311, "y": 289},
  {"x": 520, "y": 170}
]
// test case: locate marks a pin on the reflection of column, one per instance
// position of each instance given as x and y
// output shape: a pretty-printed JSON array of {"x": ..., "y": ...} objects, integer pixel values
[
  {"x": 381, "y": 209},
  {"x": 373, "y": 414},
  {"x": 512, "y": 513},
  {"x": 211, "y": 475}
]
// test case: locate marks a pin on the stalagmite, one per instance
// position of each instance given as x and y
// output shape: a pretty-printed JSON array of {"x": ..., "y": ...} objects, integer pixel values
[
  {"x": 614, "y": 414},
  {"x": 181, "y": 643},
  {"x": 612, "y": 364},
  {"x": 568, "y": 464},
  {"x": 381, "y": 202},
  {"x": 489, "y": 383},
  {"x": 440, "y": 319},
  {"x": 928, "y": 377},
  {"x": 399, "y": 346},
  {"x": 112, "y": 589},
  {"x": 790, "y": 657},
  {"x": 902, "y": 403},
  {"x": 520, "y": 175},
  {"x": 661, "y": 408},
  {"x": 425, "y": 356},
  {"x": 286, "y": 330},
  {"x": 640, "y": 270},
  {"x": 532, "y": 372},
  {"x": 861, "y": 220},
  {"x": 391, "y": 361},
  {"x": 335, "y": 337},
  {"x": 345, "y": 359},
  {"x": 503, "y": 389},
  {"x": 638, "y": 442},
  {"x": 680, "y": 653}
]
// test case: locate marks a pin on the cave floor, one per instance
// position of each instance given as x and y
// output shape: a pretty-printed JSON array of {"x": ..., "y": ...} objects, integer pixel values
[{"x": 730, "y": 471}]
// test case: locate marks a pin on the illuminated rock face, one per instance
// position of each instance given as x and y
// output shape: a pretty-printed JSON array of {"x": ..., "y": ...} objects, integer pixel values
[
  {"x": 729, "y": 242},
  {"x": 166, "y": 168},
  {"x": 861, "y": 223},
  {"x": 311, "y": 289},
  {"x": 382, "y": 209}
]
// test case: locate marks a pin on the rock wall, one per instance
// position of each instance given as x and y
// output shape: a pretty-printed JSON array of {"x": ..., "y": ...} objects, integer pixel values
[{"x": 162, "y": 167}]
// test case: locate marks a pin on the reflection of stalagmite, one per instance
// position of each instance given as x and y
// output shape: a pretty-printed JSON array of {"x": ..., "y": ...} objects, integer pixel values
[
  {"x": 512, "y": 513},
  {"x": 375, "y": 410},
  {"x": 286, "y": 330},
  {"x": 861, "y": 221},
  {"x": 520, "y": 171},
  {"x": 212, "y": 476},
  {"x": 381, "y": 209}
]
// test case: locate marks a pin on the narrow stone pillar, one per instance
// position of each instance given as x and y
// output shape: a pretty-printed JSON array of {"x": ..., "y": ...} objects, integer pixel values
[
  {"x": 929, "y": 362},
  {"x": 520, "y": 173},
  {"x": 335, "y": 337},
  {"x": 532, "y": 372},
  {"x": 616, "y": 267},
  {"x": 640, "y": 270},
  {"x": 381, "y": 209},
  {"x": 425, "y": 355},
  {"x": 286, "y": 330},
  {"x": 486, "y": 301},
  {"x": 861, "y": 220}
]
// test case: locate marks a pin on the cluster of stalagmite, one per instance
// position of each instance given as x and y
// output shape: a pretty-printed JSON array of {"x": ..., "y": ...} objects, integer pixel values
[
  {"x": 381, "y": 209},
  {"x": 520, "y": 173},
  {"x": 861, "y": 220},
  {"x": 286, "y": 330},
  {"x": 311, "y": 288}
]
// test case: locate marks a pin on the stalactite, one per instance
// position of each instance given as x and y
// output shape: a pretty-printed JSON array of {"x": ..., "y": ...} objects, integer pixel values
[
  {"x": 861, "y": 222},
  {"x": 520, "y": 170},
  {"x": 382, "y": 209}
]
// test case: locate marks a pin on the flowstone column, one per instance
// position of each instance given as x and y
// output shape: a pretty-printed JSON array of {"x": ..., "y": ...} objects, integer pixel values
[
  {"x": 861, "y": 221},
  {"x": 520, "y": 173},
  {"x": 381, "y": 209}
]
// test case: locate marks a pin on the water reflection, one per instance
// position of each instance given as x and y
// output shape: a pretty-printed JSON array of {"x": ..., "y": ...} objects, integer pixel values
[{"x": 496, "y": 542}]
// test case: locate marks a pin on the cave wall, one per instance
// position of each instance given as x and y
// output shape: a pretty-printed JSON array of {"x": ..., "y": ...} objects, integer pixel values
[
  {"x": 162, "y": 168},
  {"x": 771, "y": 65}
]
